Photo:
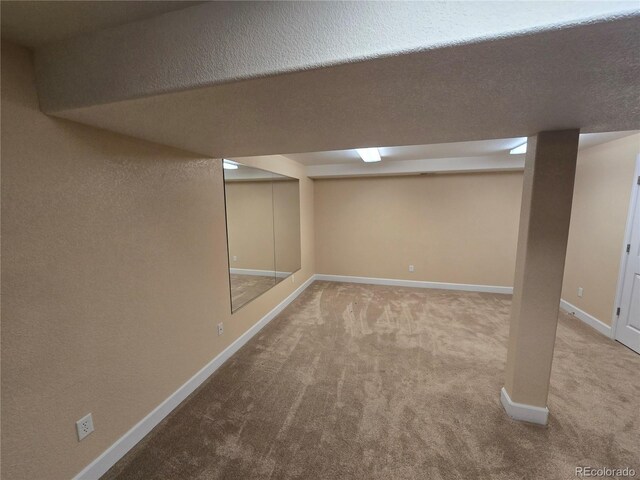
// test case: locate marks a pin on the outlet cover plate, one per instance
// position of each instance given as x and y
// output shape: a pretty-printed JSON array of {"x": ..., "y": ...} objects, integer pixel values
[{"x": 84, "y": 426}]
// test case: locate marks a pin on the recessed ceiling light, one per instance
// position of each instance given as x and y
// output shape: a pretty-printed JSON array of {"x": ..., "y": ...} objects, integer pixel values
[
  {"x": 519, "y": 149},
  {"x": 369, "y": 154},
  {"x": 228, "y": 164}
]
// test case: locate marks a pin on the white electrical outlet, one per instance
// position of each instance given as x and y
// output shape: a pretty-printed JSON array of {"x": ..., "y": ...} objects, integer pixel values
[
  {"x": 84, "y": 426},
  {"x": 411, "y": 269},
  {"x": 220, "y": 328},
  {"x": 580, "y": 291},
  {"x": 293, "y": 278},
  {"x": 235, "y": 258}
]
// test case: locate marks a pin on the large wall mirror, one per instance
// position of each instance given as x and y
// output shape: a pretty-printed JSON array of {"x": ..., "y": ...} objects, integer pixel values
[{"x": 263, "y": 229}]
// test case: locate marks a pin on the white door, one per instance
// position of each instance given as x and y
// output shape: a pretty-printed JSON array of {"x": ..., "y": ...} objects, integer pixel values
[{"x": 628, "y": 325}]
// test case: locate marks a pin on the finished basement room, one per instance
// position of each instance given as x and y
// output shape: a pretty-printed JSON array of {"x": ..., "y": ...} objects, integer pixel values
[{"x": 320, "y": 240}]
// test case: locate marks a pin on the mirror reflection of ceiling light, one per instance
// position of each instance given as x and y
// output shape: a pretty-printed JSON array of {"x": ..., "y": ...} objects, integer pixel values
[
  {"x": 228, "y": 164},
  {"x": 369, "y": 154},
  {"x": 519, "y": 149}
]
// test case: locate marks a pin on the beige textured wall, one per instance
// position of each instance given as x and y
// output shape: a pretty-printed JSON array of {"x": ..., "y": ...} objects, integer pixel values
[
  {"x": 463, "y": 228},
  {"x": 452, "y": 228},
  {"x": 114, "y": 276},
  {"x": 250, "y": 225},
  {"x": 604, "y": 178}
]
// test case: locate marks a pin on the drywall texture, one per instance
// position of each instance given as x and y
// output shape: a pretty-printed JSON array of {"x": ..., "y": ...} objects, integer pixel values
[
  {"x": 218, "y": 42},
  {"x": 114, "y": 276},
  {"x": 604, "y": 179},
  {"x": 451, "y": 94},
  {"x": 463, "y": 228},
  {"x": 452, "y": 228},
  {"x": 36, "y": 23}
]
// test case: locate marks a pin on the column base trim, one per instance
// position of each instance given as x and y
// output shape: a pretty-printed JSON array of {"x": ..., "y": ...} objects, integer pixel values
[{"x": 522, "y": 411}]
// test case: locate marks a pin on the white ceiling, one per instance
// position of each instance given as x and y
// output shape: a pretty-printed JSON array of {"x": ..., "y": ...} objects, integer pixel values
[
  {"x": 245, "y": 172},
  {"x": 482, "y": 148},
  {"x": 36, "y": 23}
]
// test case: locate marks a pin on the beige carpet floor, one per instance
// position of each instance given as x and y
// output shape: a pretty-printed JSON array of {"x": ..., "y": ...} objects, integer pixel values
[{"x": 373, "y": 382}]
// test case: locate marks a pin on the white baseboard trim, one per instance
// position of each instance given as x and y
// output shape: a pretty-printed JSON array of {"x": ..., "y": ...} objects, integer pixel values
[
  {"x": 590, "y": 320},
  {"x": 523, "y": 412},
  {"x": 416, "y": 283},
  {"x": 115, "y": 452},
  {"x": 260, "y": 273}
]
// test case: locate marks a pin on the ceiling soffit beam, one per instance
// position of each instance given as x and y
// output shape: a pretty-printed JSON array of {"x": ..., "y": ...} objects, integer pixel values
[
  {"x": 220, "y": 42},
  {"x": 415, "y": 167},
  {"x": 584, "y": 76}
]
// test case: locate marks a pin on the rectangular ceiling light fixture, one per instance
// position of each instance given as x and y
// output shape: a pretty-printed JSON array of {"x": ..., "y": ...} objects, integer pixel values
[
  {"x": 519, "y": 149},
  {"x": 228, "y": 164},
  {"x": 369, "y": 154}
]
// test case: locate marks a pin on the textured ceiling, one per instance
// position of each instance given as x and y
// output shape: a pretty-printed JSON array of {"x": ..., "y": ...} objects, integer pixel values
[
  {"x": 482, "y": 148},
  {"x": 36, "y": 23},
  {"x": 232, "y": 79},
  {"x": 585, "y": 77},
  {"x": 245, "y": 172},
  {"x": 220, "y": 42},
  {"x": 415, "y": 152}
]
